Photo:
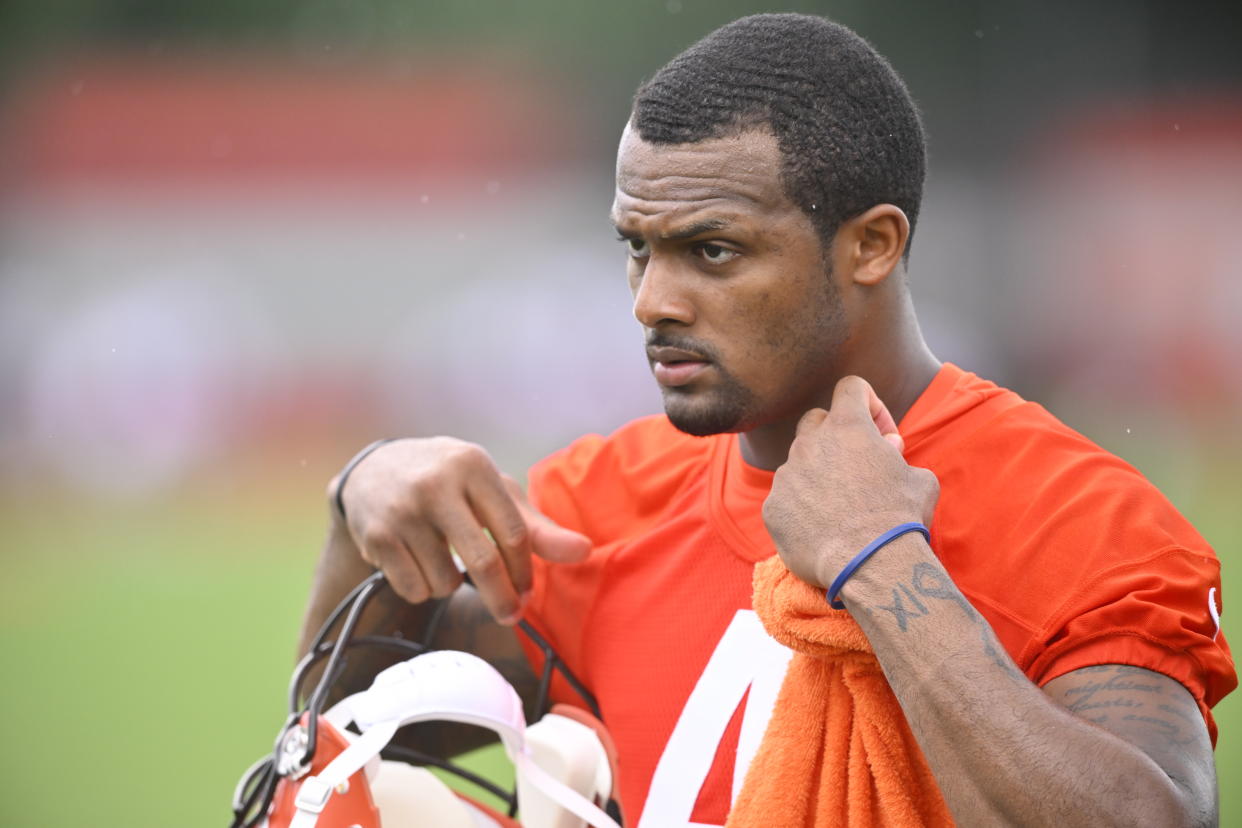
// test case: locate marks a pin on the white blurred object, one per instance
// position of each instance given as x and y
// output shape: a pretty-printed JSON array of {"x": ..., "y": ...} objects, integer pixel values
[
  {"x": 132, "y": 390},
  {"x": 406, "y": 795},
  {"x": 453, "y": 686},
  {"x": 571, "y": 753}
]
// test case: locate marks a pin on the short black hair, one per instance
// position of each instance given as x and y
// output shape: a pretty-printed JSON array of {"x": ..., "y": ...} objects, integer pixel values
[{"x": 847, "y": 128}]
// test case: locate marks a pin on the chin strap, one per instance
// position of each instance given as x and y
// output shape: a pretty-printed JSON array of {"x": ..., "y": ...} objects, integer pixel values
[{"x": 447, "y": 686}]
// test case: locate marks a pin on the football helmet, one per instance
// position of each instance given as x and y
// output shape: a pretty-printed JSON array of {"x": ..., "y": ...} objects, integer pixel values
[{"x": 337, "y": 767}]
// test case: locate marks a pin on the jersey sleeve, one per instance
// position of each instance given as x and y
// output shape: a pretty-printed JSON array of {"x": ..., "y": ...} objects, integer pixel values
[
  {"x": 1075, "y": 558},
  {"x": 1160, "y": 612}
]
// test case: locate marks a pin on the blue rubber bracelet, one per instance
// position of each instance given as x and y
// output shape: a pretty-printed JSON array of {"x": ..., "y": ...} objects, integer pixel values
[{"x": 869, "y": 550}]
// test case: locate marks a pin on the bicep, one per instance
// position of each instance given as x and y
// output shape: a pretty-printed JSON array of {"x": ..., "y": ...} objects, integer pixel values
[{"x": 1150, "y": 711}]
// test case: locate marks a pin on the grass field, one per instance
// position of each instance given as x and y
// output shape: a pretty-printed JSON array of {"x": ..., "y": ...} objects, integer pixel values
[{"x": 146, "y": 650}]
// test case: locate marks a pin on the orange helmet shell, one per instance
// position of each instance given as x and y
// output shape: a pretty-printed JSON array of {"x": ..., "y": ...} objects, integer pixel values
[{"x": 352, "y": 806}]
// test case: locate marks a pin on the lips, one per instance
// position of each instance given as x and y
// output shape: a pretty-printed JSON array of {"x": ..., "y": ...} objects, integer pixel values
[{"x": 674, "y": 367}]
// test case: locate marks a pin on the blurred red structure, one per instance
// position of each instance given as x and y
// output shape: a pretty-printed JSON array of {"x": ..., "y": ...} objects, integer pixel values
[
  {"x": 1134, "y": 234},
  {"x": 246, "y": 122}
]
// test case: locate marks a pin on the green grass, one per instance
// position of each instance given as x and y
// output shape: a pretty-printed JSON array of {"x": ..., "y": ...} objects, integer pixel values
[
  {"x": 146, "y": 663},
  {"x": 146, "y": 652}
]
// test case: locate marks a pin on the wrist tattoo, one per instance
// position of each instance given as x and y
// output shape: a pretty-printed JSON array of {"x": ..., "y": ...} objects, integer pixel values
[{"x": 930, "y": 582}]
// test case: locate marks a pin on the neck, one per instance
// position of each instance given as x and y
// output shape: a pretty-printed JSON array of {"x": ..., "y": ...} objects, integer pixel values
[{"x": 899, "y": 366}]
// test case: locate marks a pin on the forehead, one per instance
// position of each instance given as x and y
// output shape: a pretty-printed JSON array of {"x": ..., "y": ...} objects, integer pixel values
[{"x": 739, "y": 173}]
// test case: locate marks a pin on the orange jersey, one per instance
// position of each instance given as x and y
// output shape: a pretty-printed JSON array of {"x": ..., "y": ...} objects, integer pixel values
[{"x": 1072, "y": 556}]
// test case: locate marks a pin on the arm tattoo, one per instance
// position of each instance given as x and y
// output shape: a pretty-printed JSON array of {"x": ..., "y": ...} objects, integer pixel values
[
  {"x": 991, "y": 646},
  {"x": 1113, "y": 680},
  {"x": 898, "y": 607},
  {"x": 1119, "y": 694},
  {"x": 932, "y": 583}
]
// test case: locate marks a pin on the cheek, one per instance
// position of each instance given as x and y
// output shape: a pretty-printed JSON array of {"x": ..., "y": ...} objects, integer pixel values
[
  {"x": 763, "y": 333},
  {"x": 779, "y": 322},
  {"x": 790, "y": 332},
  {"x": 787, "y": 322}
]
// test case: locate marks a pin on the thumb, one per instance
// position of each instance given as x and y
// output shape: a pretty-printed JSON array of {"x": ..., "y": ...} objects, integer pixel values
[
  {"x": 548, "y": 539},
  {"x": 854, "y": 394},
  {"x": 555, "y": 543}
]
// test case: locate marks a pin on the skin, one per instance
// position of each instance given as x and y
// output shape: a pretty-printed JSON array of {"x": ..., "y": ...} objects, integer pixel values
[
  {"x": 1105, "y": 745},
  {"x": 406, "y": 503},
  {"x": 728, "y": 274},
  {"x": 781, "y": 316}
]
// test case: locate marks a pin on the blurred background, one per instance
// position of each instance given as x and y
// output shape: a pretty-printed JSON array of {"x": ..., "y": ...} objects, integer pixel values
[{"x": 239, "y": 240}]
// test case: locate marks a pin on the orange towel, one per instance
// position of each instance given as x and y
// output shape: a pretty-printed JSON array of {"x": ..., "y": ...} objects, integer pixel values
[{"x": 838, "y": 750}]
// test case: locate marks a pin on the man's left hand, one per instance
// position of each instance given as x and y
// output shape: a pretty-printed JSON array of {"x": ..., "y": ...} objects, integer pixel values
[{"x": 844, "y": 484}]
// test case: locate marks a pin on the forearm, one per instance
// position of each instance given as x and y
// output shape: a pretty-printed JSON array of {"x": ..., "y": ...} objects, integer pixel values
[
  {"x": 340, "y": 569},
  {"x": 1002, "y": 751}
]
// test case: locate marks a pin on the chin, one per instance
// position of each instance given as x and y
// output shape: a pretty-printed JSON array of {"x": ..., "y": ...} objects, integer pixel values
[{"x": 702, "y": 418}]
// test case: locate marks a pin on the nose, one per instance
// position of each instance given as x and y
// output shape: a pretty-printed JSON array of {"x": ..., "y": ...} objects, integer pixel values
[{"x": 661, "y": 296}]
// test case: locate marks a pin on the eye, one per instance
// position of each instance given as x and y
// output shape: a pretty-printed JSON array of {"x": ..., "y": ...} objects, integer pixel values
[
  {"x": 637, "y": 248},
  {"x": 715, "y": 253}
]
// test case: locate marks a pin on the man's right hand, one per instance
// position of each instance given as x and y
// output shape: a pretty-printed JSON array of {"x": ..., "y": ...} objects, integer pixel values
[{"x": 410, "y": 501}]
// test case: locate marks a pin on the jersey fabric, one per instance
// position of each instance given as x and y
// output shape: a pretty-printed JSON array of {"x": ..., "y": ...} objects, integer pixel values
[{"x": 1068, "y": 552}]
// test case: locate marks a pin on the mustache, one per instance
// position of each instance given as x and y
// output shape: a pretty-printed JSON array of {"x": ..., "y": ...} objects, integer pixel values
[{"x": 684, "y": 343}]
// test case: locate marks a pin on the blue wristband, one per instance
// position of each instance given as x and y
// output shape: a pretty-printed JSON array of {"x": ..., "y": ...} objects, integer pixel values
[{"x": 869, "y": 550}]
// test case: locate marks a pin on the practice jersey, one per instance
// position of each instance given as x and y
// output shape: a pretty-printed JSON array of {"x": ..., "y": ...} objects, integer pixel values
[{"x": 1068, "y": 552}]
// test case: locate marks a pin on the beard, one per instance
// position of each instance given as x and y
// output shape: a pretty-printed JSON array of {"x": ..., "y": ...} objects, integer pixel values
[
  {"x": 728, "y": 407},
  {"x": 725, "y": 407}
]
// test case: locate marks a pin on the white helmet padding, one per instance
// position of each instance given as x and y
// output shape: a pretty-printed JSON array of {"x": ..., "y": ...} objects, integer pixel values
[
  {"x": 408, "y": 796},
  {"x": 444, "y": 685}
]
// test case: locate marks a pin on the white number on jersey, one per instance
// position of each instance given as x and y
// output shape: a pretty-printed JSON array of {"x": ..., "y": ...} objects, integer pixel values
[{"x": 745, "y": 657}]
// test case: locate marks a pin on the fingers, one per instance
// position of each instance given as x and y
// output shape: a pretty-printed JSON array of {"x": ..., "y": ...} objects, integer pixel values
[
  {"x": 486, "y": 565},
  {"x": 555, "y": 543},
  {"x": 419, "y": 565},
  {"x": 419, "y": 499},
  {"x": 854, "y": 398},
  {"x": 430, "y": 552},
  {"x": 493, "y": 506},
  {"x": 388, "y": 553},
  {"x": 547, "y": 539}
]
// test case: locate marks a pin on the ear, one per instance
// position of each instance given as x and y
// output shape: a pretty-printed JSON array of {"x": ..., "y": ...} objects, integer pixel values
[{"x": 869, "y": 246}]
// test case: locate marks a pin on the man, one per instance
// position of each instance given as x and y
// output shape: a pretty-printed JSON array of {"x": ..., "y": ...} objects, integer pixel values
[{"x": 1054, "y": 648}]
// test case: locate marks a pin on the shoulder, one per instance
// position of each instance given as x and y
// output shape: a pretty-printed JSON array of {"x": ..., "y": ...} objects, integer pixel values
[
  {"x": 1054, "y": 485},
  {"x": 597, "y": 480},
  {"x": 1009, "y": 463},
  {"x": 1109, "y": 570}
]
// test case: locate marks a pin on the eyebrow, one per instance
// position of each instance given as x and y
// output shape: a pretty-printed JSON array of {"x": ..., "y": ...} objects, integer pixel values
[{"x": 687, "y": 232}]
